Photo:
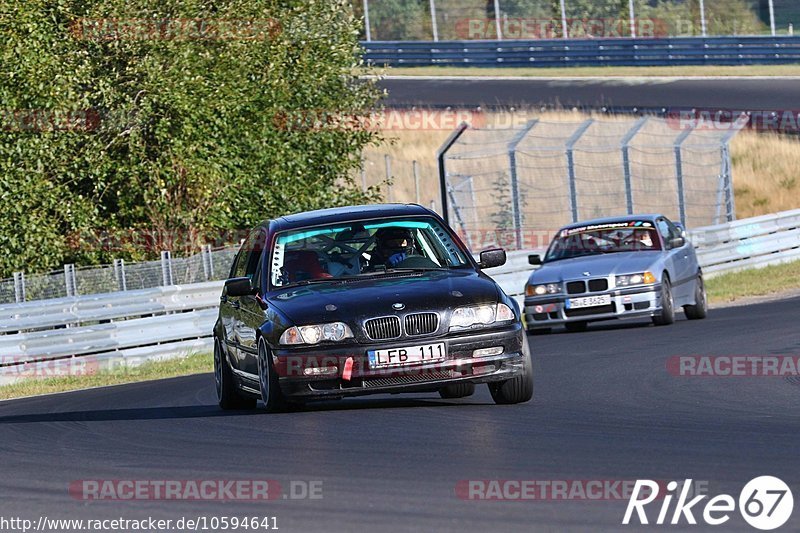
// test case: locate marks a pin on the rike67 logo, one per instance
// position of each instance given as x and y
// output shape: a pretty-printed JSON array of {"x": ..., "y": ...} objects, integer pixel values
[{"x": 765, "y": 503}]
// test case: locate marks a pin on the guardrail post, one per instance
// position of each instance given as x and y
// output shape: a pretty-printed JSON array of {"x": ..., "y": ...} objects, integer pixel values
[
  {"x": 119, "y": 274},
  {"x": 679, "y": 172},
  {"x": 70, "y": 283},
  {"x": 166, "y": 268},
  {"x": 573, "y": 189},
  {"x": 441, "y": 154},
  {"x": 516, "y": 201},
  {"x": 626, "y": 161},
  {"x": 19, "y": 287},
  {"x": 208, "y": 262}
]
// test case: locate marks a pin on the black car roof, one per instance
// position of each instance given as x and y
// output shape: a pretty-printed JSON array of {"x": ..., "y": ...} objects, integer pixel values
[
  {"x": 610, "y": 220},
  {"x": 344, "y": 214}
]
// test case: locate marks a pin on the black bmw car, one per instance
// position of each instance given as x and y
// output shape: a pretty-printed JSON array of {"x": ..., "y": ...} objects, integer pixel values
[{"x": 364, "y": 300}]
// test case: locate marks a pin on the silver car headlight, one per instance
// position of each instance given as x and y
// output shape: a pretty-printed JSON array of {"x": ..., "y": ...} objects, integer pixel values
[
  {"x": 645, "y": 278},
  {"x": 541, "y": 290},
  {"x": 464, "y": 317},
  {"x": 313, "y": 334}
]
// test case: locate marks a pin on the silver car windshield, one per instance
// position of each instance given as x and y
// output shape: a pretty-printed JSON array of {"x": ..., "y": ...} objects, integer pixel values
[
  {"x": 362, "y": 248},
  {"x": 589, "y": 240}
]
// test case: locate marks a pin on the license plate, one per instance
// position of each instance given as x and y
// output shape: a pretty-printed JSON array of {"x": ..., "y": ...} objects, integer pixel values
[
  {"x": 408, "y": 355},
  {"x": 588, "y": 301}
]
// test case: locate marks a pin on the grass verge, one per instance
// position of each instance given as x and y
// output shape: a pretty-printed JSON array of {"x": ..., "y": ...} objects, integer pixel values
[
  {"x": 765, "y": 281},
  {"x": 571, "y": 72},
  {"x": 193, "y": 364}
]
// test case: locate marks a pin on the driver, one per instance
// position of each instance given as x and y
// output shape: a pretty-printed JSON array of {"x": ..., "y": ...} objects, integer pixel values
[
  {"x": 645, "y": 240},
  {"x": 392, "y": 246}
]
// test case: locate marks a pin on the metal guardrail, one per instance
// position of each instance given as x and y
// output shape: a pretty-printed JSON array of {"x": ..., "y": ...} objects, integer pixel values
[
  {"x": 587, "y": 52},
  {"x": 90, "y": 333}
]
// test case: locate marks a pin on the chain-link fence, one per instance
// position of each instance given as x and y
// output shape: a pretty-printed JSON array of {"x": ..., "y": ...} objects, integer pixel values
[
  {"x": 209, "y": 265},
  {"x": 512, "y": 185},
  {"x": 413, "y": 20}
]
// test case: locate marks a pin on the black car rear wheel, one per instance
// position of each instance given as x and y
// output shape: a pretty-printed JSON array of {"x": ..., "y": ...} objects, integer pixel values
[
  {"x": 228, "y": 394},
  {"x": 700, "y": 308},
  {"x": 667, "y": 314},
  {"x": 271, "y": 394},
  {"x": 457, "y": 390},
  {"x": 518, "y": 389}
]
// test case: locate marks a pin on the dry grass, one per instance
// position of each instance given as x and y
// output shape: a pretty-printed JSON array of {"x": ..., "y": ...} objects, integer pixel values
[{"x": 764, "y": 165}]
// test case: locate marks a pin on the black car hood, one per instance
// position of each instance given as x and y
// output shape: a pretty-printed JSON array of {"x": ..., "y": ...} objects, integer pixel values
[{"x": 345, "y": 301}]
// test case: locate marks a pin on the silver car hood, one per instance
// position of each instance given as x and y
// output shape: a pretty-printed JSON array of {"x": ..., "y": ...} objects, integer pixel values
[{"x": 598, "y": 266}]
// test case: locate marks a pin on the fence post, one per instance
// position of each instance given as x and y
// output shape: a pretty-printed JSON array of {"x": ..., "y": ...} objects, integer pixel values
[
  {"x": 368, "y": 32},
  {"x": 119, "y": 273},
  {"x": 415, "y": 169},
  {"x": 573, "y": 189},
  {"x": 208, "y": 265},
  {"x": 516, "y": 201},
  {"x": 441, "y": 154},
  {"x": 166, "y": 268},
  {"x": 70, "y": 283},
  {"x": 626, "y": 161},
  {"x": 727, "y": 166},
  {"x": 19, "y": 287},
  {"x": 388, "y": 163},
  {"x": 363, "y": 175},
  {"x": 679, "y": 172}
]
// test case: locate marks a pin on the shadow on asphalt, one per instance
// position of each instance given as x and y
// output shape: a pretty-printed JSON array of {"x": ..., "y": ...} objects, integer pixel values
[{"x": 210, "y": 411}]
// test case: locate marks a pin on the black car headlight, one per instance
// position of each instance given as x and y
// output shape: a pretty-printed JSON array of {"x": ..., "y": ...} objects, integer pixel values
[
  {"x": 464, "y": 317},
  {"x": 316, "y": 333},
  {"x": 645, "y": 278}
]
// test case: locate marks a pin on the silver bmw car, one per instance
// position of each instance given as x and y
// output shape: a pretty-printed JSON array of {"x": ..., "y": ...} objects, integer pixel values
[{"x": 626, "y": 267}]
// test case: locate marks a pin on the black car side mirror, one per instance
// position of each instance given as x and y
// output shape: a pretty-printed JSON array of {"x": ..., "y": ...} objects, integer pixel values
[
  {"x": 535, "y": 259},
  {"x": 677, "y": 242},
  {"x": 493, "y": 258},
  {"x": 239, "y": 287}
]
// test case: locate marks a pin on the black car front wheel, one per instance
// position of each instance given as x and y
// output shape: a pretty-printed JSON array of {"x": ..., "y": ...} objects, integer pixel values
[
  {"x": 228, "y": 394},
  {"x": 271, "y": 394},
  {"x": 457, "y": 390},
  {"x": 518, "y": 389}
]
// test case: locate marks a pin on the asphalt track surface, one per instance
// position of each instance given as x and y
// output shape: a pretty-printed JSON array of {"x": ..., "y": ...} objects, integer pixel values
[
  {"x": 737, "y": 94},
  {"x": 605, "y": 408}
]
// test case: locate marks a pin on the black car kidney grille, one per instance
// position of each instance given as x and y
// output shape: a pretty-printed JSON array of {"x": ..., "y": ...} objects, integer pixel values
[
  {"x": 598, "y": 285},
  {"x": 387, "y": 327},
  {"x": 576, "y": 287},
  {"x": 421, "y": 323}
]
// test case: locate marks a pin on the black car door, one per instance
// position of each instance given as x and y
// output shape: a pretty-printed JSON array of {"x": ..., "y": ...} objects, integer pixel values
[
  {"x": 229, "y": 309},
  {"x": 251, "y": 312}
]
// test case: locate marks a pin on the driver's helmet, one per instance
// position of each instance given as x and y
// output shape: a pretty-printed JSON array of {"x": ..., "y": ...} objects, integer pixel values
[{"x": 391, "y": 241}]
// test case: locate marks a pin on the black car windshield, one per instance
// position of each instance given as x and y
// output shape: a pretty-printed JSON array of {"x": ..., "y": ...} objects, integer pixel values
[
  {"x": 603, "y": 239},
  {"x": 362, "y": 248}
]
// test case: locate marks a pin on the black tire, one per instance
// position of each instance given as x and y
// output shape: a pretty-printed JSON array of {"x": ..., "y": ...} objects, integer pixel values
[
  {"x": 540, "y": 331},
  {"x": 576, "y": 327},
  {"x": 228, "y": 393},
  {"x": 457, "y": 390},
  {"x": 667, "y": 314},
  {"x": 700, "y": 308},
  {"x": 518, "y": 389},
  {"x": 271, "y": 394}
]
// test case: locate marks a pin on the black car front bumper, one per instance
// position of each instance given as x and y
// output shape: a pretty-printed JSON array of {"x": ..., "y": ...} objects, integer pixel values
[{"x": 459, "y": 366}]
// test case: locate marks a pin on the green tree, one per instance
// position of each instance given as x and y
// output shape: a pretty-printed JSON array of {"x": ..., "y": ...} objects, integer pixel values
[{"x": 186, "y": 133}]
